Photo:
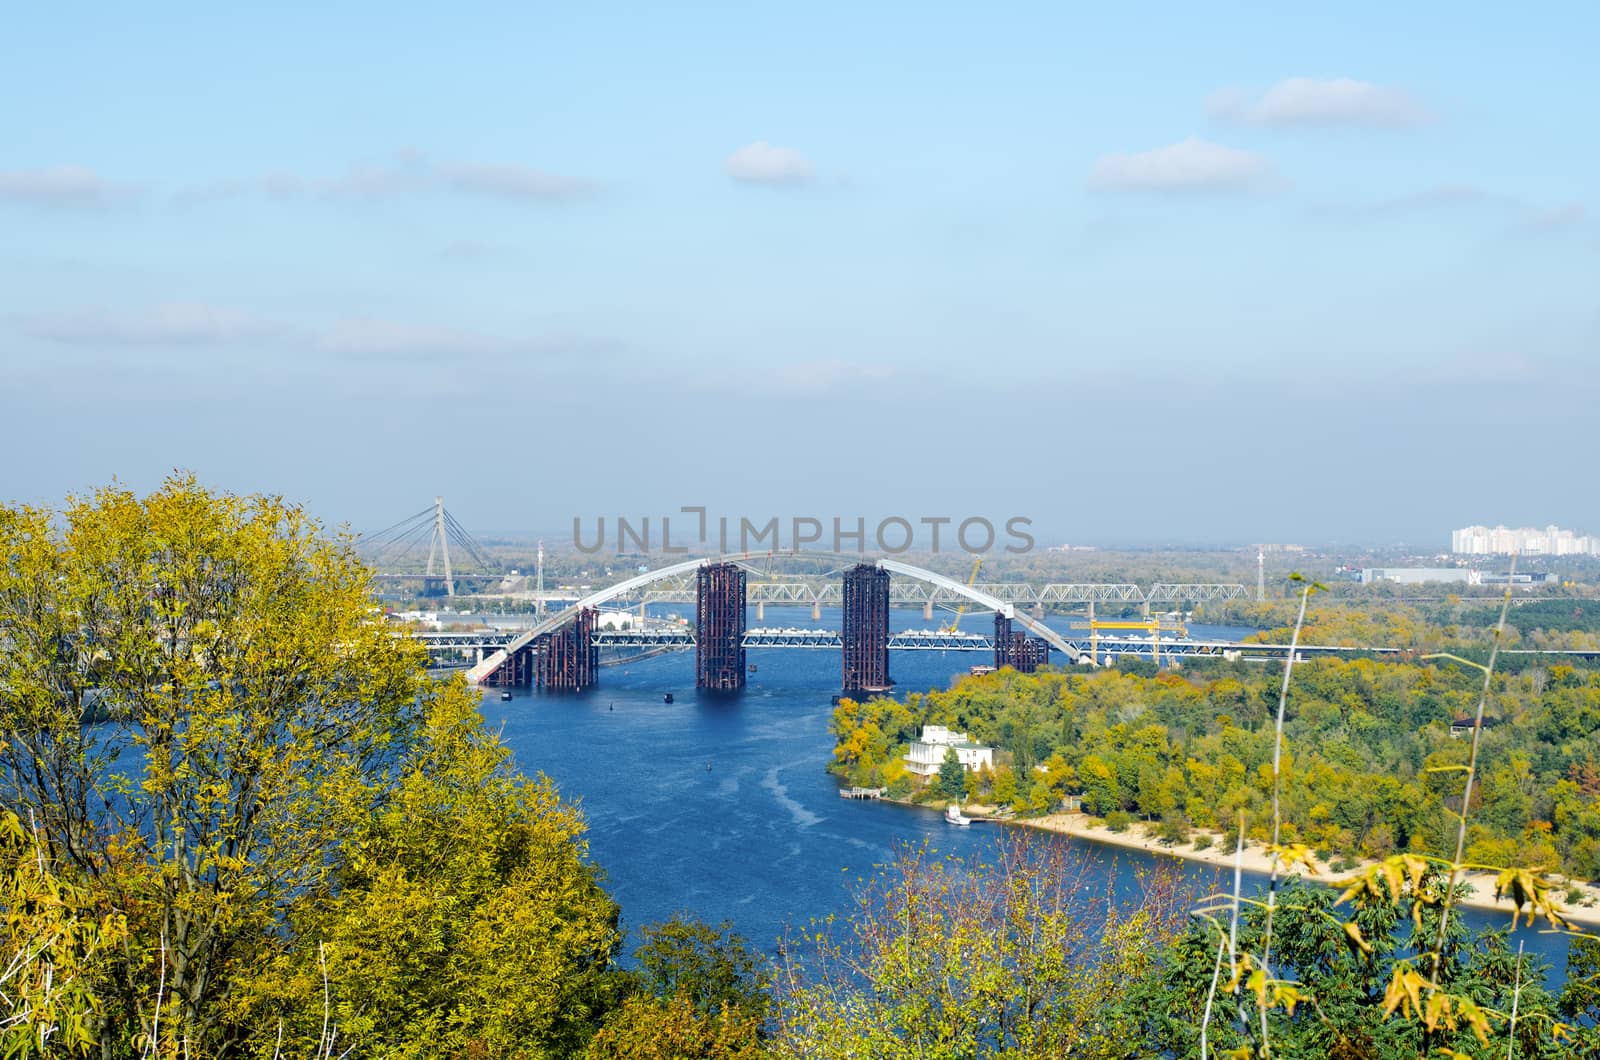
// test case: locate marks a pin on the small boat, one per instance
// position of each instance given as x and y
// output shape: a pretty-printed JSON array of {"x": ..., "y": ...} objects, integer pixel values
[
  {"x": 667, "y": 698},
  {"x": 504, "y": 696},
  {"x": 708, "y": 767},
  {"x": 952, "y": 813},
  {"x": 752, "y": 667}
]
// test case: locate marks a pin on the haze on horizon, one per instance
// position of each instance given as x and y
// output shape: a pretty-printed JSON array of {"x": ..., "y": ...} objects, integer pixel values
[{"x": 1220, "y": 275}]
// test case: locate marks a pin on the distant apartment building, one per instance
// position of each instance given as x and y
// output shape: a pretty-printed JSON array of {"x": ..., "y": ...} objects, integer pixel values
[
  {"x": 927, "y": 754},
  {"x": 1456, "y": 575},
  {"x": 1526, "y": 540}
]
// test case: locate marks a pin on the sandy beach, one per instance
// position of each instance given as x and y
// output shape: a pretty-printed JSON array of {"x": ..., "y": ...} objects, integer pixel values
[{"x": 1254, "y": 859}]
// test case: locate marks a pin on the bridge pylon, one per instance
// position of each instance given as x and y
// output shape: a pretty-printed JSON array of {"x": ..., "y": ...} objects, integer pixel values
[
  {"x": 719, "y": 622},
  {"x": 865, "y": 635},
  {"x": 567, "y": 657},
  {"x": 394, "y": 549},
  {"x": 1016, "y": 649}
]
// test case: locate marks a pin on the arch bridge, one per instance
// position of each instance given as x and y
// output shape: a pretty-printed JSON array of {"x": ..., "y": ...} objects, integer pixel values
[{"x": 561, "y": 651}]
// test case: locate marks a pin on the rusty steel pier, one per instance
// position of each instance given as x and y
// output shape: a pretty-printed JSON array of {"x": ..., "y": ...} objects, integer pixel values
[
  {"x": 567, "y": 657},
  {"x": 1016, "y": 649},
  {"x": 865, "y": 634},
  {"x": 719, "y": 654}
]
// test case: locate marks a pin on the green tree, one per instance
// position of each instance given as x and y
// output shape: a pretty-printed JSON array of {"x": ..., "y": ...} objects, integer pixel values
[
  {"x": 1345, "y": 990},
  {"x": 699, "y": 994},
  {"x": 1005, "y": 786},
  {"x": 464, "y": 918},
  {"x": 196, "y": 702},
  {"x": 709, "y": 966},
  {"x": 1580, "y": 998},
  {"x": 958, "y": 960},
  {"x": 952, "y": 776},
  {"x": 645, "y": 1028}
]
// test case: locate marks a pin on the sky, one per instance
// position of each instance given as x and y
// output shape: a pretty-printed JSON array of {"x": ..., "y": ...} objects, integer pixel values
[{"x": 1140, "y": 273}]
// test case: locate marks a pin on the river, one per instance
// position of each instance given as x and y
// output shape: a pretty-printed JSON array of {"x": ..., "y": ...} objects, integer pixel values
[{"x": 719, "y": 806}]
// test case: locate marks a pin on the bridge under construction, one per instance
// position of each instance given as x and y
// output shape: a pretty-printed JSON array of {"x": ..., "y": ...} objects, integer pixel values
[{"x": 561, "y": 652}]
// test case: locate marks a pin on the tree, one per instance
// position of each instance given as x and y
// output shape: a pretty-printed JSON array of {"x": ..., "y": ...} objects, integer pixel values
[
  {"x": 645, "y": 1028},
  {"x": 1340, "y": 994},
  {"x": 699, "y": 994},
  {"x": 1021, "y": 958},
  {"x": 709, "y": 966},
  {"x": 196, "y": 702},
  {"x": 51, "y": 941},
  {"x": 1005, "y": 786},
  {"x": 464, "y": 918},
  {"x": 952, "y": 776},
  {"x": 1580, "y": 998}
]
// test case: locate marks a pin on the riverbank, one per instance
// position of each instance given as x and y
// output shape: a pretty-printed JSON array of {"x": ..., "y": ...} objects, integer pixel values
[{"x": 1255, "y": 859}]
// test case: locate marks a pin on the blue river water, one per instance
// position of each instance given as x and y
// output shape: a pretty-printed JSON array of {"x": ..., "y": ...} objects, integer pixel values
[{"x": 719, "y": 806}]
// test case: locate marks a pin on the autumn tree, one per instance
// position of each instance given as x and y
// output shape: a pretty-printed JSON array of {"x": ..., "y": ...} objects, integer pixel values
[
  {"x": 1024, "y": 957},
  {"x": 52, "y": 941},
  {"x": 463, "y": 917},
  {"x": 199, "y": 707},
  {"x": 698, "y": 994}
]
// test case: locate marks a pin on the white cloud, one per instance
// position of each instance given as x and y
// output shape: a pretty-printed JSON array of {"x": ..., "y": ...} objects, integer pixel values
[
  {"x": 187, "y": 324},
  {"x": 1188, "y": 165},
  {"x": 805, "y": 378},
  {"x": 405, "y": 173},
  {"x": 762, "y": 163},
  {"x": 514, "y": 182},
  {"x": 60, "y": 186},
  {"x": 1445, "y": 194},
  {"x": 1557, "y": 218},
  {"x": 1320, "y": 101},
  {"x": 1466, "y": 199},
  {"x": 365, "y": 337}
]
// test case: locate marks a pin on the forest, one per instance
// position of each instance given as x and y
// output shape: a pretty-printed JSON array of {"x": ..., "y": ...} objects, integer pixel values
[{"x": 1371, "y": 765}]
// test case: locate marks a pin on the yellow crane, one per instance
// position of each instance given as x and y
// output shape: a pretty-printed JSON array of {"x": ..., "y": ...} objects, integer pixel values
[
  {"x": 1152, "y": 626},
  {"x": 971, "y": 580}
]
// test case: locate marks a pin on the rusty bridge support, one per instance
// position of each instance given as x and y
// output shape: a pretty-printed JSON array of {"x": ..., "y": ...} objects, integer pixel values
[
  {"x": 567, "y": 657},
  {"x": 719, "y": 624},
  {"x": 866, "y": 629},
  {"x": 1016, "y": 649},
  {"x": 516, "y": 672}
]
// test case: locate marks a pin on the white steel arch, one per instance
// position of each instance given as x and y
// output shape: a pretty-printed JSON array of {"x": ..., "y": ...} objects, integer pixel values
[{"x": 491, "y": 663}]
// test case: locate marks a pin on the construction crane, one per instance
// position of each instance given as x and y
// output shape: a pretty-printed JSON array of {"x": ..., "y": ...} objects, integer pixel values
[
  {"x": 971, "y": 581},
  {"x": 1152, "y": 626}
]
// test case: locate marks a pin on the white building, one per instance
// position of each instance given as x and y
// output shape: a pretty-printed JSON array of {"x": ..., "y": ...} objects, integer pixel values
[
  {"x": 1419, "y": 575},
  {"x": 1526, "y": 540},
  {"x": 927, "y": 754}
]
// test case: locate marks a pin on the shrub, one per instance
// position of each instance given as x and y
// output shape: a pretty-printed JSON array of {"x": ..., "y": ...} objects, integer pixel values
[
  {"x": 1118, "y": 820},
  {"x": 1174, "y": 829}
]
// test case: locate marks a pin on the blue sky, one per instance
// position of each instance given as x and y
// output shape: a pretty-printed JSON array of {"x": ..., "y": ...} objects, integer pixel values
[{"x": 1147, "y": 273}]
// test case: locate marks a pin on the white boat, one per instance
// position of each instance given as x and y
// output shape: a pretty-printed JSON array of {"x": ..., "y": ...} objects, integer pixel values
[{"x": 952, "y": 813}]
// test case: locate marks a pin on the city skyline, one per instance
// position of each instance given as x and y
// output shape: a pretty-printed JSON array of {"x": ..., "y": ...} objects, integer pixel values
[{"x": 1501, "y": 540}]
